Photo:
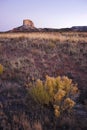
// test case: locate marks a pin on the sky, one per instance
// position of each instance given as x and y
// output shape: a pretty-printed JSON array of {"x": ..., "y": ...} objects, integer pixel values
[{"x": 44, "y": 13}]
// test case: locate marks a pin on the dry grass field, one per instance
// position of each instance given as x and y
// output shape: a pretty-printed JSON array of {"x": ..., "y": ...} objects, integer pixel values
[
  {"x": 57, "y": 36},
  {"x": 27, "y": 57}
]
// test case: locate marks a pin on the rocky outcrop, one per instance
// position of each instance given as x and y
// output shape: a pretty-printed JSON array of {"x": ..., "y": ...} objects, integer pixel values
[
  {"x": 28, "y": 23},
  {"x": 28, "y": 26}
]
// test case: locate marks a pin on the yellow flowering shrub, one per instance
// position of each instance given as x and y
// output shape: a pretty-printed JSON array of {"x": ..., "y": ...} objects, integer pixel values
[
  {"x": 56, "y": 112},
  {"x": 74, "y": 90},
  {"x": 1, "y": 69},
  {"x": 55, "y": 91},
  {"x": 59, "y": 95},
  {"x": 68, "y": 103},
  {"x": 39, "y": 93}
]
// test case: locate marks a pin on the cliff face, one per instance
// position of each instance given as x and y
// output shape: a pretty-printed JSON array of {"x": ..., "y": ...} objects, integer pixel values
[
  {"x": 28, "y": 26},
  {"x": 28, "y": 23}
]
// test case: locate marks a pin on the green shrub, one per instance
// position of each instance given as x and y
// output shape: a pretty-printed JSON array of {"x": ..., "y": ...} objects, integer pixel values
[{"x": 55, "y": 91}]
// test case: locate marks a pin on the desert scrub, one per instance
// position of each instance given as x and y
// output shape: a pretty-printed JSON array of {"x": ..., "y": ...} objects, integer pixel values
[
  {"x": 1, "y": 69},
  {"x": 58, "y": 92},
  {"x": 39, "y": 93}
]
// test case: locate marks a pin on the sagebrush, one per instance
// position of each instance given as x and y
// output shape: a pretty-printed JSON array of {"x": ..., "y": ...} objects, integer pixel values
[{"x": 58, "y": 92}]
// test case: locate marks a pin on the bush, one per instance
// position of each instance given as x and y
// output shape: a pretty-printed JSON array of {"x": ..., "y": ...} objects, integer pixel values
[
  {"x": 1, "y": 69},
  {"x": 39, "y": 93},
  {"x": 59, "y": 92}
]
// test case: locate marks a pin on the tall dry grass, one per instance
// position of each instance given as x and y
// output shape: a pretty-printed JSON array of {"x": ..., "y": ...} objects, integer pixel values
[{"x": 59, "y": 36}]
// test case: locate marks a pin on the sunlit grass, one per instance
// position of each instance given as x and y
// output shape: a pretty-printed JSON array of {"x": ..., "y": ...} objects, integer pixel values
[{"x": 59, "y": 36}]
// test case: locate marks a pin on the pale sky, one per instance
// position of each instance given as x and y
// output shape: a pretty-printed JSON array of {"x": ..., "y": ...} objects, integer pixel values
[{"x": 44, "y": 13}]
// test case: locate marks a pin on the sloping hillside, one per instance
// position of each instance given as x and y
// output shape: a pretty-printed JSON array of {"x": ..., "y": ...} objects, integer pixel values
[{"x": 27, "y": 57}]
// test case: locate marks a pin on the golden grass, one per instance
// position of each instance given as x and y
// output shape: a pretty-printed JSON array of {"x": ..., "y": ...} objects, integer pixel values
[{"x": 62, "y": 37}]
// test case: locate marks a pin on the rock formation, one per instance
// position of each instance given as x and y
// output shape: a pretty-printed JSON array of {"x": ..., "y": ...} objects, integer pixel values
[
  {"x": 28, "y": 26},
  {"x": 28, "y": 23}
]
